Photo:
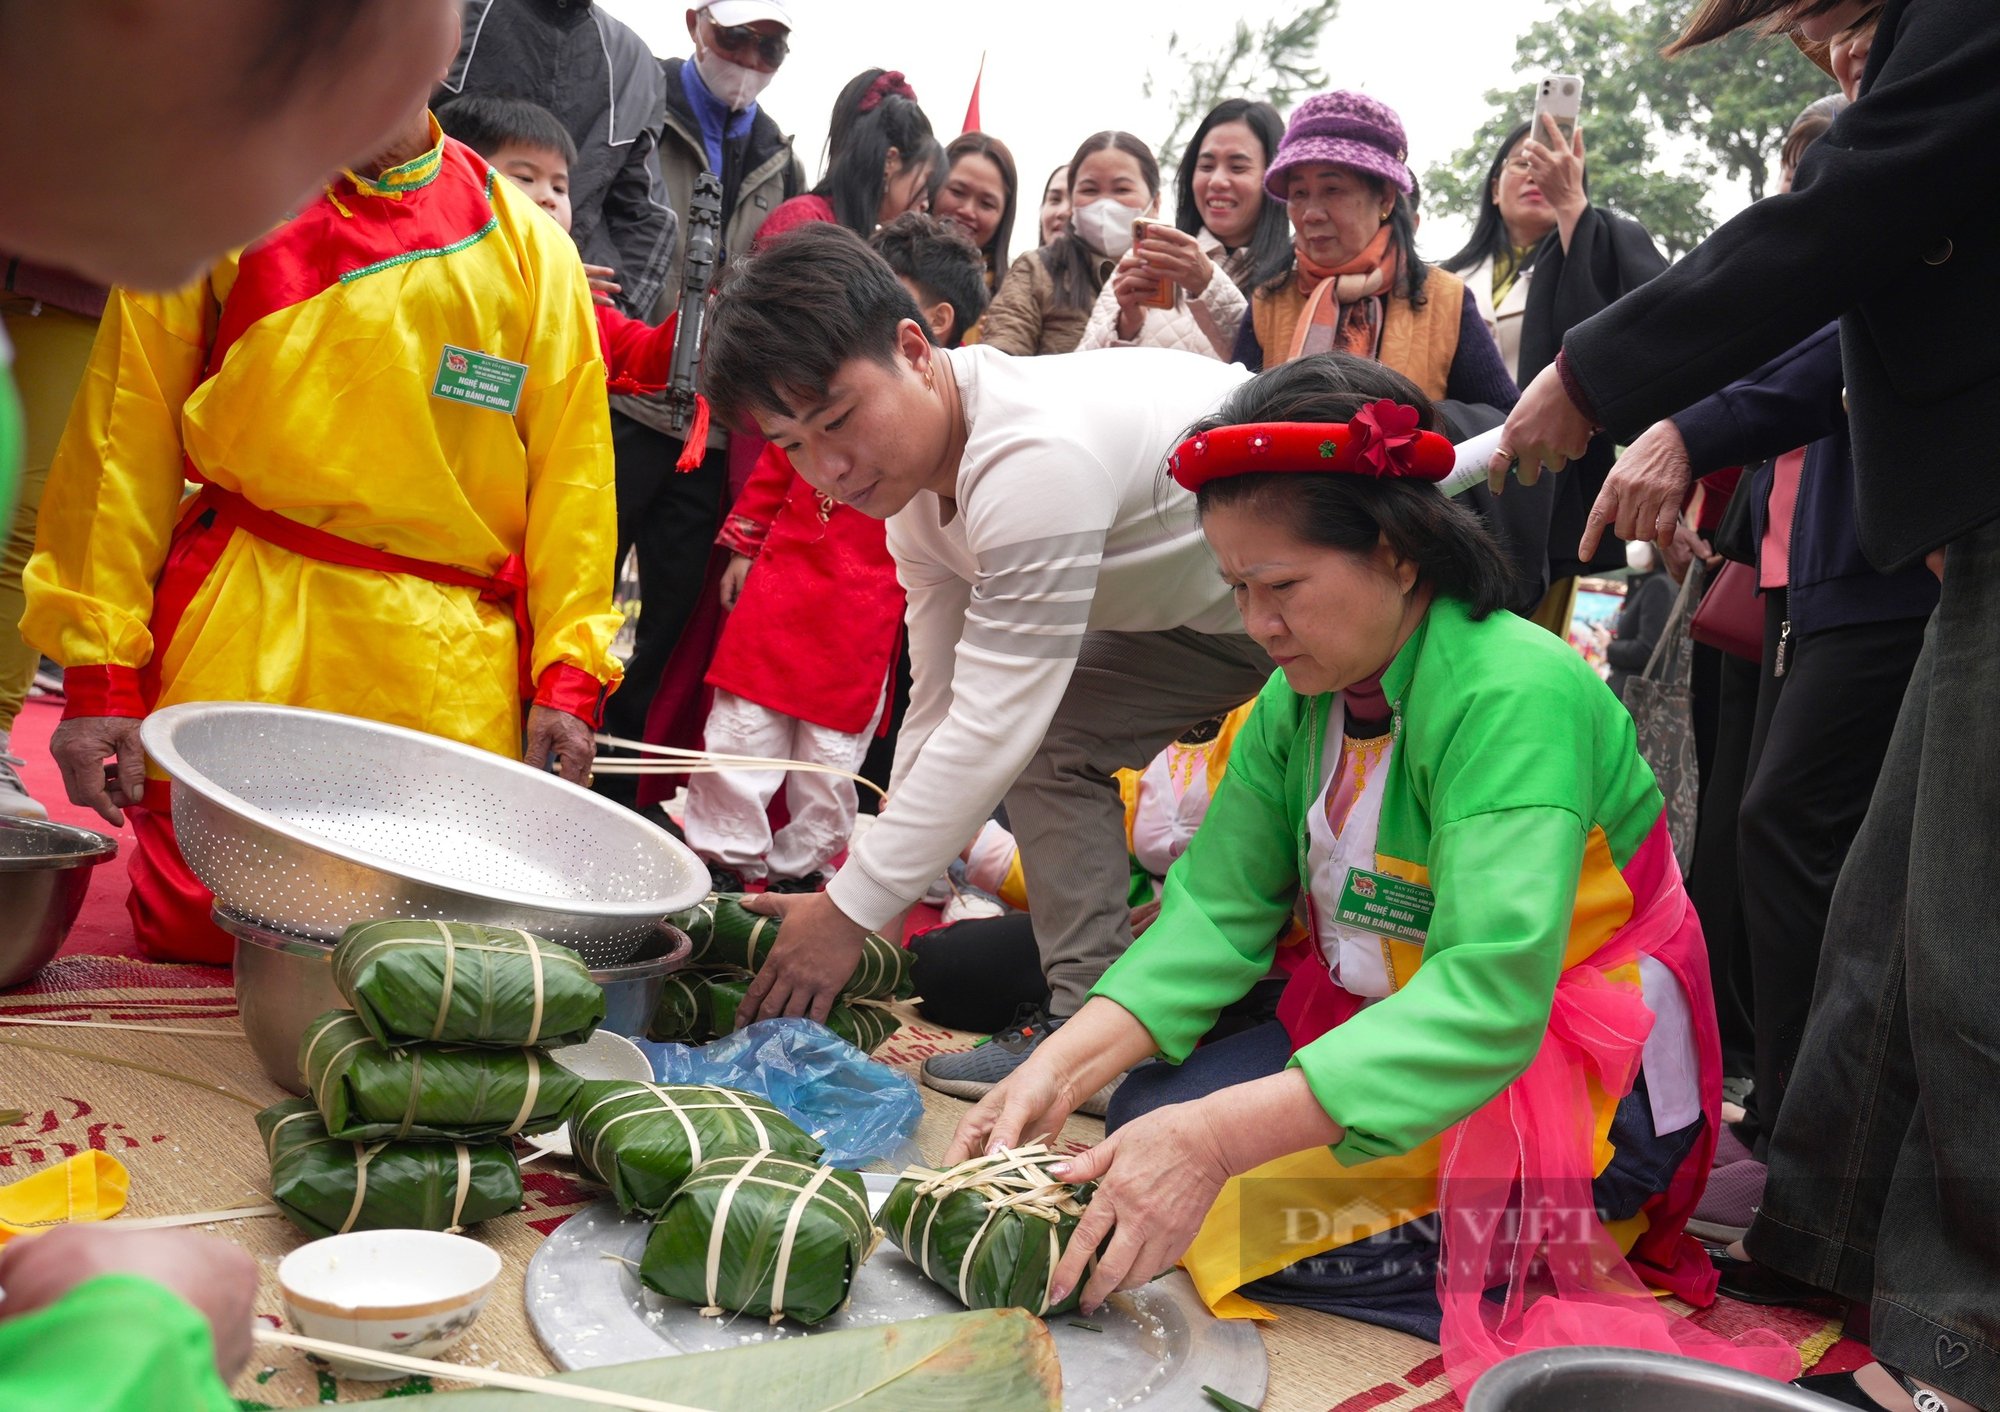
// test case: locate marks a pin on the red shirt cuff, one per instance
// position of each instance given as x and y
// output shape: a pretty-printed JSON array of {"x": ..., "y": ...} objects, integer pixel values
[
  {"x": 574, "y": 692},
  {"x": 103, "y": 691},
  {"x": 1573, "y": 386},
  {"x": 741, "y": 535}
]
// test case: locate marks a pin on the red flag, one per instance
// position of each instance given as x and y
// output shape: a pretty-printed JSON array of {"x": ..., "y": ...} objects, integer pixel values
[{"x": 972, "y": 108}]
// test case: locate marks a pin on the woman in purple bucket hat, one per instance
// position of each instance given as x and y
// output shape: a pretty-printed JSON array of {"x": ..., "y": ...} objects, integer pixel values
[{"x": 1356, "y": 284}]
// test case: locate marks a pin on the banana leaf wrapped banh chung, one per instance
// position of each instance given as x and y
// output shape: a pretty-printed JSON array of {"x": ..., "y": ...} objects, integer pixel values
[
  {"x": 990, "y": 1230},
  {"x": 458, "y": 983},
  {"x": 725, "y": 935},
  {"x": 695, "y": 1008},
  {"x": 761, "y": 1234},
  {"x": 365, "y": 1089},
  {"x": 642, "y": 1140},
  {"x": 328, "y": 1186}
]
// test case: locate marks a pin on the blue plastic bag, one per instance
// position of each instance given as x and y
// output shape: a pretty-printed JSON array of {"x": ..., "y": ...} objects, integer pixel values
[{"x": 861, "y": 1111}]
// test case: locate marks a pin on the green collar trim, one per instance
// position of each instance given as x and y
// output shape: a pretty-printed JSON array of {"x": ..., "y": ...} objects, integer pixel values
[{"x": 412, "y": 175}]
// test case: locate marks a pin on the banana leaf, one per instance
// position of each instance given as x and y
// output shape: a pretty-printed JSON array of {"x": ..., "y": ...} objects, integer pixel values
[
  {"x": 990, "y": 1230},
  {"x": 643, "y": 1140},
  {"x": 695, "y": 1008},
  {"x": 367, "y": 1090},
  {"x": 762, "y": 1234},
  {"x": 457, "y": 983},
  {"x": 327, "y": 1186},
  {"x": 999, "y": 1360},
  {"x": 724, "y": 934}
]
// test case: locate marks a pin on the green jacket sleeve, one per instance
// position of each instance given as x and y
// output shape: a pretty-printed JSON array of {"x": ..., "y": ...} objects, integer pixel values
[
  {"x": 117, "y": 1343},
  {"x": 1472, "y": 1017},
  {"x": 1227, "y": 899}
]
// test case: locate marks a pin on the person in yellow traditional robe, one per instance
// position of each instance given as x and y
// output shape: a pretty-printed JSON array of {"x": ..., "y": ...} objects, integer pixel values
[{"x": 393, "y": 408}]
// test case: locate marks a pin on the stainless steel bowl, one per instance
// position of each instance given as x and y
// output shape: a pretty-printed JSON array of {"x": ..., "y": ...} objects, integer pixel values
[
  {"x": 44, "y": 874},
  {"x": 284, "y": 983},
  {"x": 309, "y": 822},
  {"x": 1591, "y": 1379}
]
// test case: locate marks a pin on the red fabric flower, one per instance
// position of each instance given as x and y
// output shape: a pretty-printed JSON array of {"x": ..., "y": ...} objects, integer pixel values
[{"x": 1382, "y": 439}]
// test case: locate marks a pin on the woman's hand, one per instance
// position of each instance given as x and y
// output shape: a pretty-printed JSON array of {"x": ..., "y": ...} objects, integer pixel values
[
  {"x": 1156, "y": 1179},
  {"x": 1642, "y": 496},
  {"x": 1557, "y": 169},
  {"x": 1169, "y": 252},
  {"x": 1090, "y": 1048},
  {"x": 82, "y": 745},
  {"x": 1133, "y": 288},
  {"x": 1544, "y": 429},
  {"x": 732, "y": 581}
]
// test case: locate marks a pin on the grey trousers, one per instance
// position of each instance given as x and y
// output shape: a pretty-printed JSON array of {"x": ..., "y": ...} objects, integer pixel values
[
  {"x": 1885, "y": 1163},
  {"x": 1133, "y": 694}
]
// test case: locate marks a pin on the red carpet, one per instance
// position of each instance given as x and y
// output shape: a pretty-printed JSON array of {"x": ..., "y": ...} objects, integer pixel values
[{"x": 102, "y": 929}]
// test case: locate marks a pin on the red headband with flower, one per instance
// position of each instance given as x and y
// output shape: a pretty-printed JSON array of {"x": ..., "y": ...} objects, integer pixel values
[
  {"x": 891, "y": 84},
  {"x": 1380, "y": 439}
]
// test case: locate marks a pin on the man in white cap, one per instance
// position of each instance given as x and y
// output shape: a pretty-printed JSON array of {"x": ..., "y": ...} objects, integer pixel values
[{"x": 713, "y": 123}]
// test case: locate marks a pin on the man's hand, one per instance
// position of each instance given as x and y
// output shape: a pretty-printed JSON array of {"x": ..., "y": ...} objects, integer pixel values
[
  {"x": 815, "y": 954},
  {"x": 1641, "y": 498},
  {"x": 81, "y": 747},
  {"x": 217, "y": 1278},
  {"x": 732, "y": 580},
  {"x": 603, "y": 283},
  {"x": 1544, "y": 429},
  {"x": 1144, "y": 915},
  {"x": 563, "y": 736}
]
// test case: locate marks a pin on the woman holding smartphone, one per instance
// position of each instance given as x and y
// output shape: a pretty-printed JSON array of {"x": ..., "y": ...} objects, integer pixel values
[
  {"x": 1542, "y": 259},
  {"x": 1045, "y": 299},
  {"x": 1187, "y": 285}
]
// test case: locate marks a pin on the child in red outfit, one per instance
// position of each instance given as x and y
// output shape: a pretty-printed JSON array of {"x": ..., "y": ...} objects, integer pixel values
[
  {"x": 528, "y": 145},
  {"x": 803, "y": 668}
]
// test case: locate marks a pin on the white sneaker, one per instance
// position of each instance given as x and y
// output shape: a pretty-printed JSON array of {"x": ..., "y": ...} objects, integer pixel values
[
  {"x": 15, "y": 801},
  {"x": 967, "y": 906}
]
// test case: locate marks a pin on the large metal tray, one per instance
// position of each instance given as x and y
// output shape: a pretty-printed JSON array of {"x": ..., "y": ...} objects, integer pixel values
[{"x": 1159, "y": 1345}]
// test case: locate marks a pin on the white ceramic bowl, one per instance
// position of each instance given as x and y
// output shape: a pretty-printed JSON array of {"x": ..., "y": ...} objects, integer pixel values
[{"x": 410, "y": 1292}]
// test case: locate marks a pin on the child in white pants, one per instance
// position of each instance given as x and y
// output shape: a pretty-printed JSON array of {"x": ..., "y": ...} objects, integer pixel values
[{"x": 727, "y": 821}]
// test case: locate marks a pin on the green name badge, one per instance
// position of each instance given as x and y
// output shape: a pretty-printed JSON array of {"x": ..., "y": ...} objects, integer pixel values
[
  {"x": 1386, "y": 906},
  {"x": 479, "y": 380}
]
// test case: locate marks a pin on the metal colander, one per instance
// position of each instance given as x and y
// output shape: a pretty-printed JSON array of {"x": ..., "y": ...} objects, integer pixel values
[{"x": 307, "y": 822}]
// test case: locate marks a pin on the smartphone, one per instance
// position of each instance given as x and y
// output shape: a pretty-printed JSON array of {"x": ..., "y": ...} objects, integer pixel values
[
  {"x": 1560, "y": 96},
  {"x": 1164, "y": 296}
]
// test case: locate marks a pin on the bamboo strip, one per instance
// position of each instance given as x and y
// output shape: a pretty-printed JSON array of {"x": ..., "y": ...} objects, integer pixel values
[
  {"x": 169, "y": 1074},
  {"x": 236, "y": 1033},
  {"x": 459, "y": 1372},
  {"x": 192, "y": 1218}
]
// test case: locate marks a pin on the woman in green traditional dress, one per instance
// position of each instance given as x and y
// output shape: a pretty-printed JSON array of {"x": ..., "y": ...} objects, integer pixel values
[{"x": 1504, "y": 988}]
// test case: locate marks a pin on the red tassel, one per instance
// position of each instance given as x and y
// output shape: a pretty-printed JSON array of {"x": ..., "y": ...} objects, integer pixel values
[{"x": 696, "y": 445}]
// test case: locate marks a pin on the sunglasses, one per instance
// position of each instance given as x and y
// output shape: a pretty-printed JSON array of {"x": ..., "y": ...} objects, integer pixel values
[{"x": 734, "y": 39}]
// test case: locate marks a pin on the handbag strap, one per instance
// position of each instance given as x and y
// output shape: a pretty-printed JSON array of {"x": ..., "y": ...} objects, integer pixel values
[{"x": 1674, "y": 638}]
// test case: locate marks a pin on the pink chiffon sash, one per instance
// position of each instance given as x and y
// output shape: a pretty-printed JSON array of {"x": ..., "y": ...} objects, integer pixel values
[{"x": 1514, "y": 1185}]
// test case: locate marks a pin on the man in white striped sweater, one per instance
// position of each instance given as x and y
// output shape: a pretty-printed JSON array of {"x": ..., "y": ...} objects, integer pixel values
[{"x": 1065, "y": 617}]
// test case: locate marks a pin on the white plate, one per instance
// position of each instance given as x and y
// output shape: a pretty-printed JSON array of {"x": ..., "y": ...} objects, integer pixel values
[{"x": 1158, "y": 1345}]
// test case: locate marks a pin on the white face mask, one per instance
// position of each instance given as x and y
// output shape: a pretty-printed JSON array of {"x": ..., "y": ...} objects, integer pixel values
[
  {"x": 1105, "y": 226},
  {"x": 1638, "y": 556},
  {"x": 733, "y": 85}
]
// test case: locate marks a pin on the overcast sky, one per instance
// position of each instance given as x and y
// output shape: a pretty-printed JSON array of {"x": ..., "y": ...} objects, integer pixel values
[{"x": 1059, "y": 70}]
